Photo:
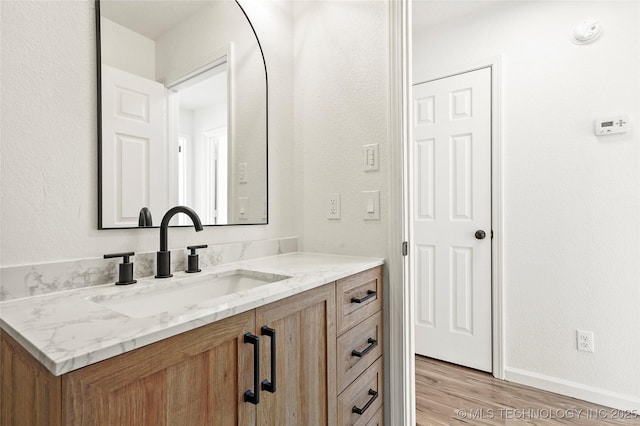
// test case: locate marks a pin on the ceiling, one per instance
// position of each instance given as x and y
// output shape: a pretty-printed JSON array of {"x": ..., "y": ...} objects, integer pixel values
[{"x": 428, "y": 13}]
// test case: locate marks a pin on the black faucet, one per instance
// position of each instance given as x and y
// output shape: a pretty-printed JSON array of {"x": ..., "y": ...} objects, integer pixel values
[
  {"x": 144, "y": 218},
  {"x": 164, "y": 255}
]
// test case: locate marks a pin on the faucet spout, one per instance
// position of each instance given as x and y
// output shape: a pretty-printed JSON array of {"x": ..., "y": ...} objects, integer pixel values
[
  {"x": 164, "y": 225},
  {"x": 164, "y": 255}
]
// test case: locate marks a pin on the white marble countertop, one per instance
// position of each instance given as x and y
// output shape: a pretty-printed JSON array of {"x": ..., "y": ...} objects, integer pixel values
[{"x": 67, "y": 330}]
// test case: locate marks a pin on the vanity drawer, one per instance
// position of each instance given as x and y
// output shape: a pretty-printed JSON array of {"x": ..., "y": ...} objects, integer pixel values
[
  {"x": 377, "y": 419},
  {"x": 358, "y": 296},
  {"x": 364, "y": 394},
  {"x": 366, "y": 339}
]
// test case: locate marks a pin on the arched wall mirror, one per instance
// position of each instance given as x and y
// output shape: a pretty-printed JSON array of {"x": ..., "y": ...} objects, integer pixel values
[{"x": 182, "y": 113}]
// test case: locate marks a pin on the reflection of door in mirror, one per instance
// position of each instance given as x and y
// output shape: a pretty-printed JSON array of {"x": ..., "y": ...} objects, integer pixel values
[
  {"x": 193, "y": 75},
  {"x": 134, "y": 148}
]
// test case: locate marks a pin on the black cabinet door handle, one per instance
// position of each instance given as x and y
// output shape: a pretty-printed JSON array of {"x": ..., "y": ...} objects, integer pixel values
[
  {"x": 357, "y": 410},
  {"x": 270, "y": 386},
  {"x": 372, "y": 344},
  {"x": 250, "y": 396},
  {"x": 370, "y": 294}
]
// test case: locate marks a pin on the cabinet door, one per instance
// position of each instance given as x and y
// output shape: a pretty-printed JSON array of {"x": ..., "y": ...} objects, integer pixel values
[
  {"x": 305, "y": 359},
  {"x": 196, "y": 378}
]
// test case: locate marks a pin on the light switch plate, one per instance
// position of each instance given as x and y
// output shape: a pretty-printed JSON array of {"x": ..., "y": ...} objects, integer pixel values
[
  {"x": 370, "y": 156},
  {"x": 371, "y": 205},
  {"x": 242, "y": 172},
  {"x": 243, "y": 208}
]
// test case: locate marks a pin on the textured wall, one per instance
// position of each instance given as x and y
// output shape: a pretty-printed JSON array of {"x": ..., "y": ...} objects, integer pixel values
[
  {"x": 341, "y": 103},
  {"x": 48, "y": 122},
  {"x": 571, "y": 199}
]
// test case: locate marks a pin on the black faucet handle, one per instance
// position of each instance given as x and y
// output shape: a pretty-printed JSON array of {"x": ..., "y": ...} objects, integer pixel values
[
  {"x": 192, "y": 259},
  {"x": 125, "y": 275},
  {"x": 124, "y": 256},
  {"x": 194, "y": 248}
]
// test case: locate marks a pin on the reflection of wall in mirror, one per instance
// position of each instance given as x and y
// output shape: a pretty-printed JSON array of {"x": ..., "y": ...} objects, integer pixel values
[
  {"x": 247, "y": 96},
  {"x": 138, "y": 58}
]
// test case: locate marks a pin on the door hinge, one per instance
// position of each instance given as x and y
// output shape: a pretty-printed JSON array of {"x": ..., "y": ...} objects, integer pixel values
[{"x": 405, "y": 248}]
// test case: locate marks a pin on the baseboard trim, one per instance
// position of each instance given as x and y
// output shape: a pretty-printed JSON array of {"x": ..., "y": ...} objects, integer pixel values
[{"x": 573, "y": 389}]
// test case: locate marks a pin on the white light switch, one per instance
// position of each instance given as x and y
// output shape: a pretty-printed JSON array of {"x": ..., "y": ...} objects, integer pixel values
[
  {"x": 243, "y": 208},
  {"x": 371, "y": 205},
  {"x": 370, "y": 156}
]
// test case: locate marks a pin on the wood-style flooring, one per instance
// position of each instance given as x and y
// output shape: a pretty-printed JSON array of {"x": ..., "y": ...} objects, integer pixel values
[{"x": 448, "y": 394}]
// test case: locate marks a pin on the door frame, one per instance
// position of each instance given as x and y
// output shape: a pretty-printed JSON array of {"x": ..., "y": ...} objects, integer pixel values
[
  {"x": 400, "y": 348},
  {"x": 497, "y": 323}
]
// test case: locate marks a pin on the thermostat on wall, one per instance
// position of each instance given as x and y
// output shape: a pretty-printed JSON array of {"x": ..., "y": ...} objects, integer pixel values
[{"x": 610, "y": 126}]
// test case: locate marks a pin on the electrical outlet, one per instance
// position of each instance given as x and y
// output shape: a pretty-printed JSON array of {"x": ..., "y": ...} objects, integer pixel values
[
  {"x": 333, "y": 211},
  {"x": 585, "y": 340}
]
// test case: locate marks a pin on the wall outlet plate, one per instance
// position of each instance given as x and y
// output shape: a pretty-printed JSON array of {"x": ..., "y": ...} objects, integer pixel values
[
  {"x": 333, "y": 206},
  {"x": 584, "y": 340}
]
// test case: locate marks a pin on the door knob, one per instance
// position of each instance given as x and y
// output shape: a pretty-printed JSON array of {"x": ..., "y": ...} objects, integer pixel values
[{"x": 480, "y": 234}]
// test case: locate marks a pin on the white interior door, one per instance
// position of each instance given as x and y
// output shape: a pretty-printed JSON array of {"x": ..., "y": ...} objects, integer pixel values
[
  {"x": 451, "y": 203},
  {"x": 134, "y": 148}
]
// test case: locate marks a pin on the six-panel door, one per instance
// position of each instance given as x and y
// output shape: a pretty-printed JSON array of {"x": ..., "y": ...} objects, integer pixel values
[{"x": 451, "y": 203}]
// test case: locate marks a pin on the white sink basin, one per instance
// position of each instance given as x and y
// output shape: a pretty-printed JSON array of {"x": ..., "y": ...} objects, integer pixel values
[{"x": 178, "y": 294}]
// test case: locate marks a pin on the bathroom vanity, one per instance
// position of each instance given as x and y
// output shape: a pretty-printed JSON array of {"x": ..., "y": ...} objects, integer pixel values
[{"x": 305, "y": 349}]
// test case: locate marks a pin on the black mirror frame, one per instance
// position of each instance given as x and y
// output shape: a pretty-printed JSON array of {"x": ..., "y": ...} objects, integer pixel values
[{"x": 99, "y": 124}]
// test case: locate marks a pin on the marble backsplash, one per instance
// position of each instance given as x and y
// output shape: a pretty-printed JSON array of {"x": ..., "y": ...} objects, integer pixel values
[{"x": 32, "y": 280}]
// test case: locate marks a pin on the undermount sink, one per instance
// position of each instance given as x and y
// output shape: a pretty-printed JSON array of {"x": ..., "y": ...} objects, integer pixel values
[{"x": 170, "y": 296}]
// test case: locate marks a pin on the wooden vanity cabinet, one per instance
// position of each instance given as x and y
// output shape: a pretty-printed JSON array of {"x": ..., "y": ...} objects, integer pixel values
[
  {"x": 195, "y": 378},
  {"x": 360, "y": 342},
  {"x": 30, "y": 394},
  {"x": 305, "y": 360},
  {"x": 200, "y": 377}
]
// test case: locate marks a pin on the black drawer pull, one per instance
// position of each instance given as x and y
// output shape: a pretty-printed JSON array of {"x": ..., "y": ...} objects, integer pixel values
[
  {"x": 370, "y": 294},
  {"x": 372, "y": 344},
  {"x": 357, "y": 410},
  {"x": 249, "y": 396},
  {"x": 270, "y": 386}
]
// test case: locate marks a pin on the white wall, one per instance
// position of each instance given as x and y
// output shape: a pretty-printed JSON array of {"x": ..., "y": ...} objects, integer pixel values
[
  {"x": 341, "y": 103},
  {"x": 48, "y": 141},
  {"x": 571, "y": 199}
]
